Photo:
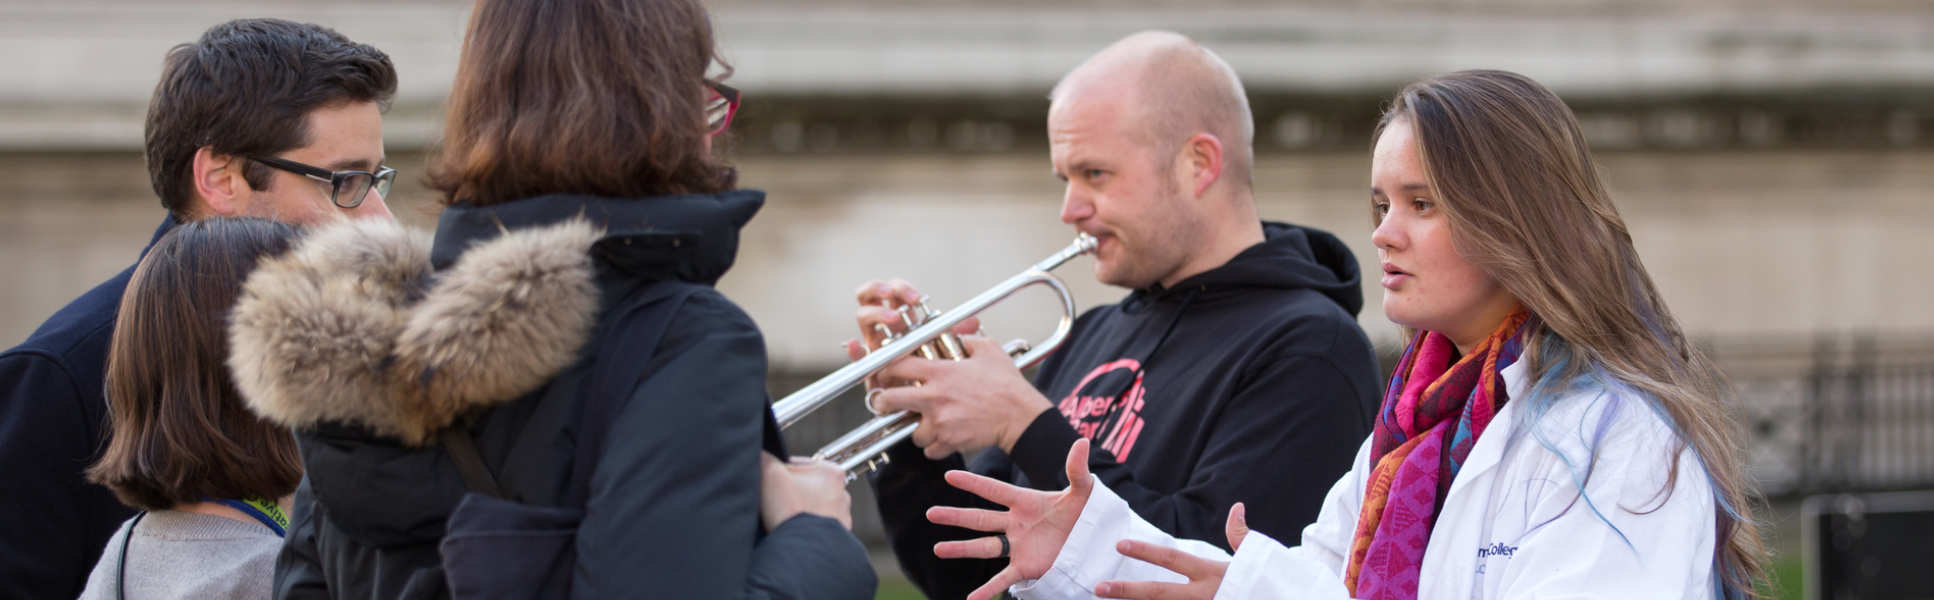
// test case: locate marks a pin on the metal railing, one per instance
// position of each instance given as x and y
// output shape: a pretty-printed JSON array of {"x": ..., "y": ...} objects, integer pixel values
[{"x": 1835, "y": 412}]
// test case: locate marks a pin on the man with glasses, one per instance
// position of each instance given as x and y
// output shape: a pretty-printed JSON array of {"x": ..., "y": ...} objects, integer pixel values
[{"x": 259, "y": 117}]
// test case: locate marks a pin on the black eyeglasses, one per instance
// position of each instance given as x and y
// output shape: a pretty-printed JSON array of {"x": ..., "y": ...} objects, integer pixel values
[
  {"x": 720, "y": 107},
  {"x": 346, "y": 188}
]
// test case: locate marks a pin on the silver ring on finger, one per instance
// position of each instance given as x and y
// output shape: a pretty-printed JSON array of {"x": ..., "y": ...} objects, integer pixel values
[{"x": 872, "y": 393}]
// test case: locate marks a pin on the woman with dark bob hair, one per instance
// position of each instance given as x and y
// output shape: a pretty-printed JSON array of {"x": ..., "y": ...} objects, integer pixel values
[
  {"x": 212, "y": 478},
  {"x": 549, "y": 397},
  {"x": 1548, "y": 433}
]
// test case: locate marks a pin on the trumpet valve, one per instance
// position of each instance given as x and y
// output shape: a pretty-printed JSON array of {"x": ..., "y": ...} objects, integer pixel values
[
  {"x": 1017, "y": 346},
  {"x": 947, "y": 344}
]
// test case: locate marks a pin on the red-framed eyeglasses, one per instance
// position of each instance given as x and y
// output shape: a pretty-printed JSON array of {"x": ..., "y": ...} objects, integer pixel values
[{"x": 720, "y": 108}]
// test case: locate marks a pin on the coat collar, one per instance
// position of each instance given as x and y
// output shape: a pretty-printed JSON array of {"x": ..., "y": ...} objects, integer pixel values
[
  {"x": 692, "y": 237},
  {"x": 352, "y": 326}
]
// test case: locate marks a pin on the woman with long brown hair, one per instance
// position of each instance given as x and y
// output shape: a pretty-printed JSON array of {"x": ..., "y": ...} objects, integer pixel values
[
  {"x": 549, "y": 398},
  {"x": 1548, "y": 432},
  {"x": 211, "y": 478}
]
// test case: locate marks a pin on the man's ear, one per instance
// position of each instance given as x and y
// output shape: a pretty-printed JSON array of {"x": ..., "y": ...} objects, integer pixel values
[
  {"x": 219, "y": 187},
  {"x": 1202, "y": 157}
]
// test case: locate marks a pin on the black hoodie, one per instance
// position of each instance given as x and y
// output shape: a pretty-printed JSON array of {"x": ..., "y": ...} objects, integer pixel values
[
  {"x": 516, "y": 319},
  {"x": 1249, "y": 382}
]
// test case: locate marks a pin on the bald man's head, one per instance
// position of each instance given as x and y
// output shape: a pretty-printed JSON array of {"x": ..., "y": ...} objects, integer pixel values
[{"x": 1175, "y": 88}]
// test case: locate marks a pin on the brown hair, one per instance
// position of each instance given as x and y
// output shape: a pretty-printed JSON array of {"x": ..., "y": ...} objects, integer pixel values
[
  {"x": 1526, "y": 205},
  {"x": 246, "y": 88},
  {"x": 178, "y": 429},
  {"x": 598, "y": 97}
]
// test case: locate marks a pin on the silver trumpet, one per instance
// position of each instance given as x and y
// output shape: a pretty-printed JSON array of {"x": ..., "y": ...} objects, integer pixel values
[{"x": 929, "y": 333}]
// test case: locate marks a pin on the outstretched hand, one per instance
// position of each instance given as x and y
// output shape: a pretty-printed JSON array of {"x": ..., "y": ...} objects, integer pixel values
[
  {"x": 1205, "y": 575},
  {"x": 1036, "y": 523}
]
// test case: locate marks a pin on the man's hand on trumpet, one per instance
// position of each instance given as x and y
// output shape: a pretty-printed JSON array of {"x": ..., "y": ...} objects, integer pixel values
[
  {"x": 880, "y": 318},
  {"x": 963, "y": 405}
]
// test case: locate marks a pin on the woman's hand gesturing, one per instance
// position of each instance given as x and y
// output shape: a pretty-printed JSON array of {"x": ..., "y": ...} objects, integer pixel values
[
  {"x": 1031, "y": 531},
  {"x": 1205, "y": 575}
]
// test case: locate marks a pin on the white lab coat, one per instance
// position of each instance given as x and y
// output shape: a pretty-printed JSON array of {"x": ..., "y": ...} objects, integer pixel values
[{"x": 1513, "y": 526}]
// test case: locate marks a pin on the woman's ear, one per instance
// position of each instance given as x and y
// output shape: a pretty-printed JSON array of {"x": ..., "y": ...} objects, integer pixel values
[{"x": 216, "y": 178}]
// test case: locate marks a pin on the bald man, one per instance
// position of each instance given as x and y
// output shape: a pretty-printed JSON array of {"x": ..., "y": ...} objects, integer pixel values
[{"x": 1233, "y": 371}]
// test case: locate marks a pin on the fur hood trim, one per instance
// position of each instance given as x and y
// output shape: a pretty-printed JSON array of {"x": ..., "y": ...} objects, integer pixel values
[{"x": 352, "y": 326}]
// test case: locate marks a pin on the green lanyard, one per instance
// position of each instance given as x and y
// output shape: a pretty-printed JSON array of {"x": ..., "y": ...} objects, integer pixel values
[{"x": 262, "y": 510}]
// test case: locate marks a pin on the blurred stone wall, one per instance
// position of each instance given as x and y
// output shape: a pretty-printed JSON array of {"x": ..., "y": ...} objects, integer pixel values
[{"x": 1739, "y": 242}]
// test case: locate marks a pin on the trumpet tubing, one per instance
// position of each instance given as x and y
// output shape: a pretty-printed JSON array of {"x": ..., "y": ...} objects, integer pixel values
[{"x": 929, "y": 333}]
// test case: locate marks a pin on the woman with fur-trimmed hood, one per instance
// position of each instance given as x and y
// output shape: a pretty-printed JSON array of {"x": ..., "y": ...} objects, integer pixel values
[{"x": 549, "y": 396}]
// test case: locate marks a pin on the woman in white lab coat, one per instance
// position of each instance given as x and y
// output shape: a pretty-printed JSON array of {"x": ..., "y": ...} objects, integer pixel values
[{"x": 1549, "y": 431}]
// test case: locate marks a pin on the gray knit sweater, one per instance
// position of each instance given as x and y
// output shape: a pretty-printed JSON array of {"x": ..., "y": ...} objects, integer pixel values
[{"x": 178, "y": 554}]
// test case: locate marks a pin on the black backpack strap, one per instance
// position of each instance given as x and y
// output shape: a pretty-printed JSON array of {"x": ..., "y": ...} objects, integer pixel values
[
  {"x": 636, "y": 342},
  {"x": 627, "y": 345},
  {"x": 457, "y": 443},
  {"x": 121, "y": 570}
]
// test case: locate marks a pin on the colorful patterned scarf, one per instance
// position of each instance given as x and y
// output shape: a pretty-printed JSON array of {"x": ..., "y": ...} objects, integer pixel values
[{"x": 1432, "y": 414}]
